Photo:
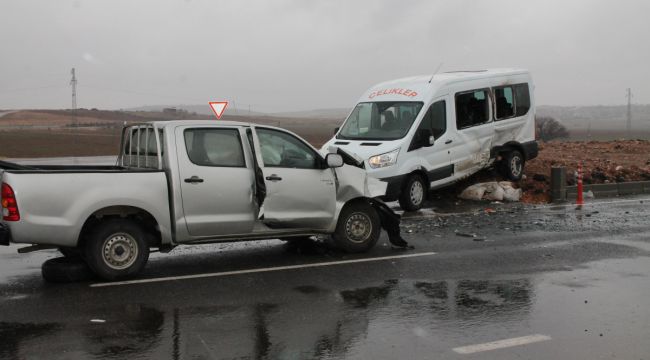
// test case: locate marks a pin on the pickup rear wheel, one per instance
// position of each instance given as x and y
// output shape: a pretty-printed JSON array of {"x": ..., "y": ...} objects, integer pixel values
[
  {"x": 358, "y": 228},
  {"x": 117, "y": 249}
]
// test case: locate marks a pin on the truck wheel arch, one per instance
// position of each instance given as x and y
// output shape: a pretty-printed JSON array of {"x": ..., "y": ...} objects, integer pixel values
[{"x": 143, "y": 217}]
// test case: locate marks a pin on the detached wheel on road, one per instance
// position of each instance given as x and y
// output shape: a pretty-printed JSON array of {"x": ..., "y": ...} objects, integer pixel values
[
  {"x": 413, "y": 193},
  {"x": 117, "y": 249},
  {"x": 512, "y": 165},
  {"x": 66, "y": 269},
  {"x": 358, "y": 228}
]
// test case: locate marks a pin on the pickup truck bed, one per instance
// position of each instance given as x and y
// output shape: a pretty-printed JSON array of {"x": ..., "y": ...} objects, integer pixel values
[{"x": 56, "y": 209}]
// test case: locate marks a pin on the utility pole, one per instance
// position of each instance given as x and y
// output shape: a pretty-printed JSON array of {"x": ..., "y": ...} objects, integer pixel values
[
  {"x": 73, "y": 84},
  {"x": 629, "y": 113}
]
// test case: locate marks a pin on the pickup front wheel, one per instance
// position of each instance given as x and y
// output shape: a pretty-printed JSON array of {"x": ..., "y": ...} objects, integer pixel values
[
  {"x": 117, "y": 249},
  {"x": 358, "y": 228}
]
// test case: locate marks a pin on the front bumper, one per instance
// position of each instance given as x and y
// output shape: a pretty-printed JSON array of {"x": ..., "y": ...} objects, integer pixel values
[
  {"x": 5, "y": 235},
  {"x": 394, "y": 187}
]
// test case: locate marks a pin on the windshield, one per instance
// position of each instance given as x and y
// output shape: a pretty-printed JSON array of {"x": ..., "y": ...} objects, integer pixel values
[{"x": 380, "y": 120}]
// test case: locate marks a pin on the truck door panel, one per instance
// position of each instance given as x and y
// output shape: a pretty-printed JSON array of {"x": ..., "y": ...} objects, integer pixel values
[
  {"x": 299, "y": 192},
  {"x": 216, "y": 181}
]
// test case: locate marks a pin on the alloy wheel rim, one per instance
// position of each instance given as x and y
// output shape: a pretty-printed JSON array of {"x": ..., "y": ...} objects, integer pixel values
[
  {"x": 515, "y": 165},
  {"x": 416, "y": 193}
]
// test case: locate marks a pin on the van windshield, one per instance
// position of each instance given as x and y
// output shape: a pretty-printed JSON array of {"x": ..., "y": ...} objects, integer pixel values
[{"x": 380, "y": 120}]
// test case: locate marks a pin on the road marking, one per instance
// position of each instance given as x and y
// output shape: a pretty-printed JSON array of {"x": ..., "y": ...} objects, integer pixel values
[
  {"x": 259, "y": 270},
  {"x": 501, "y": 344}
]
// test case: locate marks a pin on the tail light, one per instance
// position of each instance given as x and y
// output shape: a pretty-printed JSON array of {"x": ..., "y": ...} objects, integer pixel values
[{"x": 9, "y": 205}]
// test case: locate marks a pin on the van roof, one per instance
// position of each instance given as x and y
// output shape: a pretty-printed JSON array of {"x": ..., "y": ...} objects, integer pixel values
[{"x": 456, "y": 76}]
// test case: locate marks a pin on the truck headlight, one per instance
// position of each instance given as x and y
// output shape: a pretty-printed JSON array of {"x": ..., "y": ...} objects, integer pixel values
[{"x": 383, "y": 160}]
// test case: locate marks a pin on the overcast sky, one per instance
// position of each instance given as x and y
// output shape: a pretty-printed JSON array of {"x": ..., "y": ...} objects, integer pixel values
[{"x": 297, "y": 55}]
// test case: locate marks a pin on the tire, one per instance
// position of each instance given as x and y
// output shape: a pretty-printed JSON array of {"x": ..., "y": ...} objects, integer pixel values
[
  {"x": 116, "y": 249},
  {"x": 414, "y": 192},
  {"x": 358, "y": 228},
  {"x": 512, "y": 165},
  {"x": 65, "y": 270},
  {"x": 70, "y": 252}
]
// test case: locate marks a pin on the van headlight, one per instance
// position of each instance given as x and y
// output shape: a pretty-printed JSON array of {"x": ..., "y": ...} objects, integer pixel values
[{"x": 383, "y": 160}]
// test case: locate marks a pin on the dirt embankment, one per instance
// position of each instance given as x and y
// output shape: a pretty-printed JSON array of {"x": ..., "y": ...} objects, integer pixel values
[{"x": 603, "y": 162}]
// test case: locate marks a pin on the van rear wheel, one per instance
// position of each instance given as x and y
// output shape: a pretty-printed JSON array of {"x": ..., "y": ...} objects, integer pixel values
[
  {"x": 358, "y": 228},
  {"x": 512, "y": 165},
  {"x": 413, "y": 193},
  {"x": 117, "y": 249}
]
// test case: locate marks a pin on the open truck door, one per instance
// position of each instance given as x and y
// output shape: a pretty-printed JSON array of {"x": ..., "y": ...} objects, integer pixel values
[{"x": 300, "y": 188}]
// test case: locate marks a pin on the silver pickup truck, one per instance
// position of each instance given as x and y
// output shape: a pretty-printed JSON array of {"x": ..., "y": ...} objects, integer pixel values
[{"x": 191, "y": 182}]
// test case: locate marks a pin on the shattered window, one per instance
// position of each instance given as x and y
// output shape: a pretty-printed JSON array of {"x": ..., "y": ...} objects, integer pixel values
[
  {"x": 504, "y": 102},
  {"x": 522, "y": 98}
]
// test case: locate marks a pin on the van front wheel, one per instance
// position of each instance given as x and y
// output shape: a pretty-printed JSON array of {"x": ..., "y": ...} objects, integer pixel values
[
  {"x": 413, "y": 193},
  {"x": 512, "y": 165}
]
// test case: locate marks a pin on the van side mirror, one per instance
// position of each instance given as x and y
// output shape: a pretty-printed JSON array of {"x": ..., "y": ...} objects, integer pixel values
[
  {"x": 336, "y": 129},
  {"x": 334, "y": 160},
  {"x": 425, "y": 137}
]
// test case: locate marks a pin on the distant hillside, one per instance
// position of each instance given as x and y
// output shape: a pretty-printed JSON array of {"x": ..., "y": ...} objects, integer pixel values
[
  {"x": 602, "y": 122},
  {"x": 198, "y": 109},
  {"x": 335, "y": 113}
]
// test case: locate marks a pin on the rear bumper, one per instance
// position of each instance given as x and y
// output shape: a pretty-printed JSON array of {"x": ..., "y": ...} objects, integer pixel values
[{"x": 5, "y": 235}]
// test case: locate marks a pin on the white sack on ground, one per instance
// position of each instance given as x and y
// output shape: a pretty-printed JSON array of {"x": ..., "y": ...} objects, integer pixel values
[
  {"x": 474, "y": 192},
  {"x": 493, "y": 191}
]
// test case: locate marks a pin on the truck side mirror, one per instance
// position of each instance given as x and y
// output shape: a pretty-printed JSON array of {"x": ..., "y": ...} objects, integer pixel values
[
  {"x": 425, "y": 137},
  {"x": 336, "y": 129},
  {"x": 334, "y": 160}
]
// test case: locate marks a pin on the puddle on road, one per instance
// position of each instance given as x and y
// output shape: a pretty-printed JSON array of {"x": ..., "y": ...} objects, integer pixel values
[{"x": 418, "y": 317}]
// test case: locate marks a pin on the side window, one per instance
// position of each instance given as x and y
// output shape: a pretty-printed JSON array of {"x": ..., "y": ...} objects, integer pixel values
[
  {"x": 472, "y": 108},
  {"x": 504, "y": 102},
  {"x": 214, "y": 147},
  {"x": 522, "y": 98},
  {"x": 436, "y": 119},
  {"x": 280, "y": 149}
]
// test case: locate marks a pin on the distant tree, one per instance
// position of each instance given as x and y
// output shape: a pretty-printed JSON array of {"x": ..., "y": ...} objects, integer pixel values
[{"x": 548, "y": 129}]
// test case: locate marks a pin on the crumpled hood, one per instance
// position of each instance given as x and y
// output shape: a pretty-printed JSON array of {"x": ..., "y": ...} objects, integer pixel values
[{"x": 354, "y": 182}]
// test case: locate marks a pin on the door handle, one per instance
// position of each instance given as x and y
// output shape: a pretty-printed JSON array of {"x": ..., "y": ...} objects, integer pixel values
[
  {"x": 194, "y": 180},
  {"x": 273, "y": 177},
  {"x": 448, "y": 142}
]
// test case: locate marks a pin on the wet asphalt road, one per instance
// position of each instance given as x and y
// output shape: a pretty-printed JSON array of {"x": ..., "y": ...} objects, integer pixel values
[{"x": 563, "y": 283}]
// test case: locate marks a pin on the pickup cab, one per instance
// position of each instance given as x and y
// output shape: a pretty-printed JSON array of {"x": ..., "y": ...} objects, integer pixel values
[{"x": 190, "y": 182}]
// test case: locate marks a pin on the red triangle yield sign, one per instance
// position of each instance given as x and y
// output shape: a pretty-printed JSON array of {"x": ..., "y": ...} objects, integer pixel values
[{"x": 218, "y": 107}]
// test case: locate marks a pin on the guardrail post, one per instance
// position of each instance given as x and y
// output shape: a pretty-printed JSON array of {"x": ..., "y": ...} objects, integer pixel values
[{"x": 558, "y": 184}]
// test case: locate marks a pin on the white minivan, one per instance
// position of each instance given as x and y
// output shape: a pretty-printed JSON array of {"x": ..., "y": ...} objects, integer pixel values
[{"x": 429, "y": 131}]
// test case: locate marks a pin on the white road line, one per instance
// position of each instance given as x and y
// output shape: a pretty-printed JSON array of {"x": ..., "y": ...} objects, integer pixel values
[
  {"x": 259, "y": 270},
  {"x": 501, "y": 344}
]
